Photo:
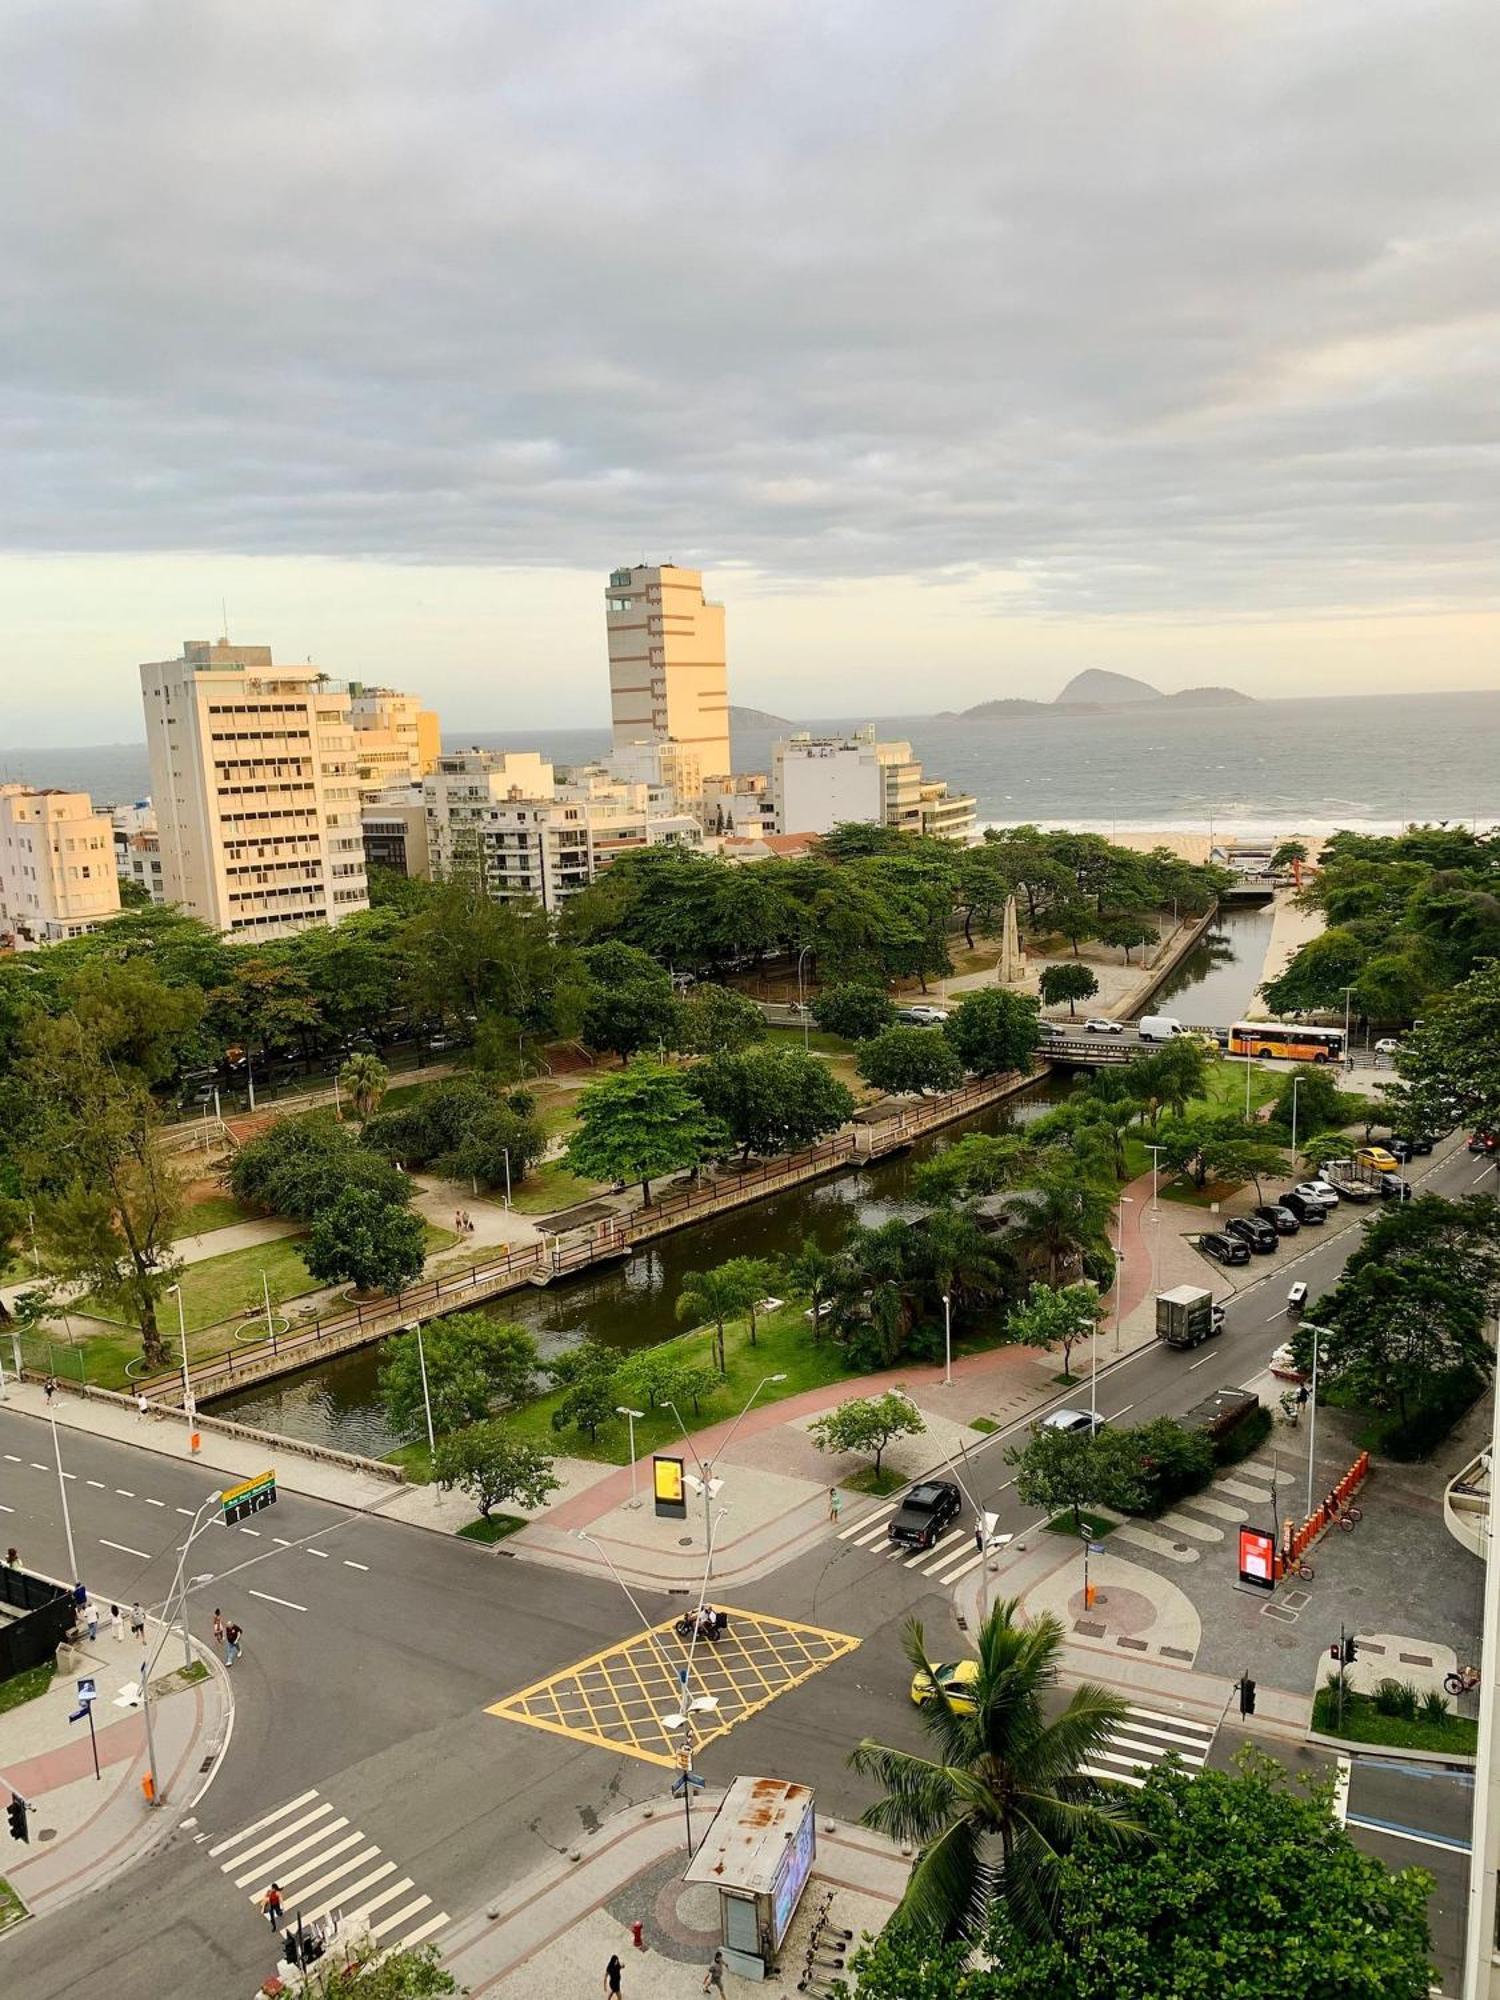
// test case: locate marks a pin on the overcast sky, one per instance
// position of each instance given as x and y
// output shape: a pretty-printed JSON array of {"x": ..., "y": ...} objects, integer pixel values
[{"x": 962, "y": 345}]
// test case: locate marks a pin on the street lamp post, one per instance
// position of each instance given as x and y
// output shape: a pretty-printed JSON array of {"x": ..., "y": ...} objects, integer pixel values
[
  {"x": 62, "y": 1489},
  {"x": 630, "y": 1416},
  {"x": 706, "y": 1482},
  {"x": 1348, "y": 1052},
  {"x": 506, "y": 1151},
  {"x": 189, "y": 1408},
  {"x": 1126, "y": 1201},
  {"x": 947, "y": 1341},
  {"x": 801, "y": 1001},
  {"x": 1296, "y": 1086},
  {"x": 416, "y": 1328},
  {"x": 1318, "y": 1335}
]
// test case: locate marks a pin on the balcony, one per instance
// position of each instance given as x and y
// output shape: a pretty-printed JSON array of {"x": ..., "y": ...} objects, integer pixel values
[{"x": 1466, "y": 1505}]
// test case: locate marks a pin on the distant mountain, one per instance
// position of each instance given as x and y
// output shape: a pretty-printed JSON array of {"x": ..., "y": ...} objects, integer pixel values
[
  {"x": 1095, "y": 691},
  {"x": 756, "y": 718},
  {"x": 1099, "y": 688}
]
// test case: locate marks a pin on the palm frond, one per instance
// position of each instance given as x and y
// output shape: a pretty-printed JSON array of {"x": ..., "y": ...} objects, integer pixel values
[
  {"x": 919, "y": 1795},
  {"x": 951, "y": 1884}
]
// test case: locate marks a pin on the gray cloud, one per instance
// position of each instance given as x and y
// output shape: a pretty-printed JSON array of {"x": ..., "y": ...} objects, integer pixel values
[{"x": 1166, "y": 306}]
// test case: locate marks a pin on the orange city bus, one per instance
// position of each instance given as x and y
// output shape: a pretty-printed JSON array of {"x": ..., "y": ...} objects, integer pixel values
[{"x": 1288, "y": 1040}]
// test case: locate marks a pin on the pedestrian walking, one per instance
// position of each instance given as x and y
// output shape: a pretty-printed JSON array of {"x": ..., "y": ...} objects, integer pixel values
[
  {"x": 713, "y": 1979},
  {"x": 137, "y": 1621},
  {"x": 270, "y": 1902},
  {"x": 49, "y": 1389},
  {"x": 835, "y": 1503},
  {"x": 458, "y": 1222},
  {"x": 218, "y": 1626},
  {"x": 613, "y": 1973},
  {"x": 231, "y": 1643},
  {"x": 979, "y": 1538},
  {"x": 91, "y": 1619},
  {"x": 142, "y": 1407},
  {"x": 116, "y": 1625},
  {"x": 12, "y": 1558}
]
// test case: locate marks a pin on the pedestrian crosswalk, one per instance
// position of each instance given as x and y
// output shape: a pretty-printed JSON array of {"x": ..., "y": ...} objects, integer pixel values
[
  {"x": 325, "y": 1868},
  {"x": 1148, "y": 1737},
  {"x": 953, "y": 1555}
]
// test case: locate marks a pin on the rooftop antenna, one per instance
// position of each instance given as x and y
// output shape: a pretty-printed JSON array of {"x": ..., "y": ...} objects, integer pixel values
[{"x": 224, "y": 617}]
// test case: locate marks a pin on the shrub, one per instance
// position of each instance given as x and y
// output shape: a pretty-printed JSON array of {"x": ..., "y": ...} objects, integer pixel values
[
  {"x": 1247, "y": 1435},
  {"x": 1434, "y": 1707},
  {"x": 1399, "y": 1698}
]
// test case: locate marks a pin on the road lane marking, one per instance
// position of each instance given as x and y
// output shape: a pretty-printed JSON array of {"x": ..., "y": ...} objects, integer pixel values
[
  {"x": 1341, "y": 1789},
  {"x": 186, "y": 1510},
  {"x": 424, "y": 1931},
  {"x": 321, "y": 1554},
  {"x": 266, "y": 1596},
  {"x": 40, "y": 1468},
  {"x": 271, "y": 1840},
  {"x": 7, "y": 1510},
  {"x": 124, "y": 1549},
  {"x": 251, "y": 1531},
  {"x": 319, "y": 1834},
  {"x": 124, "y": 1493},
  {"x": 1199, "y": 1364},
  {"x": 154, "y": 1503},
  {"x": 282, "y": 1540},
  {"x": 1120, "y": 1413},
  {"x": 288, "y": 1876},
  {"x": 14, "y": 1460},
  {"x": 97, "y": 1482},
  {"x": 354, "y": 1565},
  {"x": 270, "y": 1819},
  {"x": 1398, "y": 1832},
  {"x": 70, "y": 1475}
]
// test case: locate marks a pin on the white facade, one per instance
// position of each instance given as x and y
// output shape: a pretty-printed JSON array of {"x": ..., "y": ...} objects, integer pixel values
[
  {"x": 463, "y": 786},
  {"x": 396, "y": 739},
  {"x": 57, "y": 865},
  {"x": 668, "y": 677},
  {"x": 820, "y": 782},
  {"x": 545, "y": 850},
  {"x": 257, "y": 801}
]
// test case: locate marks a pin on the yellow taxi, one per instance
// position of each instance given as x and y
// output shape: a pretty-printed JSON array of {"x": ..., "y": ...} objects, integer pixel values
[
  {"x": 1378, "y": 1158},
  {"x": 955, "y": 1678}
]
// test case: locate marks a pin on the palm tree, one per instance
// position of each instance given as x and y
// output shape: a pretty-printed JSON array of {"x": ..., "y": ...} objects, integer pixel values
[
  {"x": 812, "y": 1270},
  {"x": 364, "y": 1078},
  {"x": 711, "y": 1297},
  {"x": 1007, "y": 1792},
  {"x": 958, "y": 1256},
  {"x": 1061, "y": 1217}
]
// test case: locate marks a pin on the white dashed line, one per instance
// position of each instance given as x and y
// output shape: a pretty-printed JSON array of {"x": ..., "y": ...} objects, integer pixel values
[
  {"x": 154, "y": 1503},
  {"x": 124, "y": 1548},
  {"x": 354, "y": 1565},
  {"x": 12, "y": 1458},
  {"x": 285, "y": 1602},
  {"x": 251, "y": 1531},
  {"x": 40, "y": 1468},
  {"x": 97, "y": 1482},
  {"x": 6, "y": 1510},
  {"x": 124, "y": 1493},
  {"x": 70, "y": 1475},
  {"x": 282, "y": 1540},
  {"x": 186, "y": 1510},
  {"x": 321, "y": 1554}
]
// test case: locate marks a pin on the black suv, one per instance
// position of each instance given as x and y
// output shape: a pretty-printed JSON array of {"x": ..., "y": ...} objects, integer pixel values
[
  {"x": 1224, "y": 1249},
  {"x": 1280, "y": 1217},
  {"x": 925, "y": 1512},
  {"x": 1305, "y": 1211},
  {"x": 1261, "y": 1236}
]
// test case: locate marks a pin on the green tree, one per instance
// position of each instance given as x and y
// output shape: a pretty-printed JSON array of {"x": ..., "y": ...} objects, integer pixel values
[
  {"x": 709, "y": 1298},
  {"x": 957, "y": 1260},
  {"x": 1067, "y": 1469},
  {"x": 406, "y": 1975},
  {"x": 659, "y": 1375},
  {"x": 630, "y": 1004},
  {"x": 1067, "y": 982},
  {"x": 639, "y": 1124},
  {"x": 772, "y": 1100},
  {"x": 589, "y": 1377},
  {"x": 1170, "y": 1077},
  {"x": 1126, "y": 932},
  {"x": 977, "y": 1164},
  {"x": 1321, "y": 1105},
  {"x": 301, "y": 1165},
  {"x": 715, "y": 1020},
  {"x": 1060, "y": 1220},
  {"x": 1318, "y": 973},
  {"x": 867, "y": 1424},
  {"x": 812, "y": 1272},
  {"x": 1400, "y": 1328},
  {"x": 364, "y": 1079},
  {"x": 998, "y": 1808},
  {"x": 364, "y": 1241},
  {"x": 993, "y": 1031},
  {"x": 1073, "y": 920},
  {"x": 491, "y": 1465},
  {"x": 1286, "y": 855},
  {"x": 857, "y": 1012},
  {"x": 472, "y": 1363},
  {"x": 909, "y": 1060},
  {"x": 464, "y": 1128},
  {"x": 1162, "y": 1927},
  {"x": 1451, "y": 1059},
  {"x": 1056, "y": 1317},
  {"x": 756, "y": 1276},
  {"x": 108, "y": 1200}
]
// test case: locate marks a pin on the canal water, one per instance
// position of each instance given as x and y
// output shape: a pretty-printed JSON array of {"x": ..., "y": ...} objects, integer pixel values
[{"x": 629, "y": 1306}]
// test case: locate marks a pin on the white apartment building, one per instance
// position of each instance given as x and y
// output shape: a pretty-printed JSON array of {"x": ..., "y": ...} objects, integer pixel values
[
  {"x": 396, "y": 740},
  {"x": 461, "y": 788},
  {"x": 820, "y": 782},
  {"x": 257, "y": 801},
  {"x": 545, "y": 850},
  {"x": 674, "y": 769},
  {"x": 138, "y": 847},
  {"x": 668, "y": 678},
  {"x": 393, "y": 827},
  {"x": 57, "y": 867}
]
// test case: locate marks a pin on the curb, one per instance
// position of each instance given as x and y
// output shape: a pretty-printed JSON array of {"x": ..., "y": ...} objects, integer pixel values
[{"x": 1453, "y": 1760}]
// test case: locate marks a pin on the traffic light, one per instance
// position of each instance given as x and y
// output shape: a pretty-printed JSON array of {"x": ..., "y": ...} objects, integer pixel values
[
  {"x": 1351, "y": 1650},
  {"x": 1247, "y": 1696},
  {"x": 15, "y": 1812}
]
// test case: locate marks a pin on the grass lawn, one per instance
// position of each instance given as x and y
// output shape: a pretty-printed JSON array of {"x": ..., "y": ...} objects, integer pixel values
[
  {"x": 1098, "y": 1525},
  {"x": 550, "y": 1187},
  {"x": 868, "y": 1480},
  {"x": 1363, "y": 1723},
  {"x": 215, "y": 1211},
  {"x": 785, "y": 1345},
  {"x": 495, "y": 1529},
  {"x": 818, "y": 1042},
  {"x": 402, "y": 1094},
  {"x": 24, "y": 1687},
  {"x": 12, "y": 1909}
]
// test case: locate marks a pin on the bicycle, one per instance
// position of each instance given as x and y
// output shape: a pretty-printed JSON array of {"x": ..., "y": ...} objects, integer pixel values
[
  {"x": 1462, "y": 1682},
  {"x": 1348, "y": 1518}
]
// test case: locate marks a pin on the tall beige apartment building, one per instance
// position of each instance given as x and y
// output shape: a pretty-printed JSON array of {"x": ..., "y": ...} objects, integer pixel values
[
  {"x": 668, "y": 680},
  {"x": 254, "y": 779},
  {"x": 396, "y": 740},
  {"x": 57, "y": 865}
]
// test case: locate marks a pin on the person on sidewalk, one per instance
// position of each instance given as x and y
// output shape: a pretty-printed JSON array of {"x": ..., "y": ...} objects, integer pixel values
[
  {"x": 270, "y": 1902},
  {"x": 835, "y": 1504},
  {"x": 713, "y": 1979},
  {"x": 218, "y": 1626},
  {"x": 90, "y": 1617},
  {"x": 137, "y": 1621},
  {"x": 614, "y": 1972},
  {"x": 142, "y": 1406},
  {"x": 116, "y": 1625},
  {"x": 49, "y": 1389},
  {"x": 231, "y": 1643},
  {"x": 12, "y": 1558}
]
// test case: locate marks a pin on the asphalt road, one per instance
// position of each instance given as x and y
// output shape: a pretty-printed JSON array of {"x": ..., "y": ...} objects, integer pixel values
[{"x": 371, "y": 1650}]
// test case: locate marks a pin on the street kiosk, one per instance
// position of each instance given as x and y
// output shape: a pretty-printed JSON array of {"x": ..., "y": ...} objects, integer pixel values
[{"x": 758, "y": 1853}]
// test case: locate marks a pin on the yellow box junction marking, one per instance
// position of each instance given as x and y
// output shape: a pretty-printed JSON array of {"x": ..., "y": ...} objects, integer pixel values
[{"x": 617, "y": 1698}]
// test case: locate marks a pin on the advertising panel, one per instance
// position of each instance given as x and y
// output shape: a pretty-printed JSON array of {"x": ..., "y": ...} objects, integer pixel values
[
  {"x": 667, "y": 1485},
  {"x": 1257, "y": 1558}
]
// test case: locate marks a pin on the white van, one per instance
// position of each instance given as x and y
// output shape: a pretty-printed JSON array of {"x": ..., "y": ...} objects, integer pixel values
[{"x": 1159, "y": 1028}]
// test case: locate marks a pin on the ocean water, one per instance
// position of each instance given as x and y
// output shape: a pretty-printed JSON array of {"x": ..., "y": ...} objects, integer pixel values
[{"x": 1276, "y": 766}]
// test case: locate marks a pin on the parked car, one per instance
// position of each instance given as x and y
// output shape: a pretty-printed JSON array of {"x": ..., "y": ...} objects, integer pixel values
[
  {"x": 1387, "y": 1046},
  {"x": 1224, "y": 1249},
  {"x": 924, "y": 1513},
  {"x": 1311, "y": 1214},
  {"x": 1071, "y": 1421},
  {"x": 1376, "y": 1158},
  {"x": 921, "y": 1016},
  {"x": 1252, "y": 1230},
  {"x": 1280, "y": 1217},
  {"x": 1319, "y": 1192},
  {"x": 1395, "y": 1187},
  {"x": 1405, "y": 1148},
  {"x": 1096, "y": 1024},
  {"x": 1483, "y": 1142},
  {"x": 956, "y": 1678}
]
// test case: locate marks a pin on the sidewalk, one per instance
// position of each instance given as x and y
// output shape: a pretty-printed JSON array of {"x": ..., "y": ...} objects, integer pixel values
[
  {"x": 553, "y": 1932},
  {"x": 85, "y": 1830}
]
